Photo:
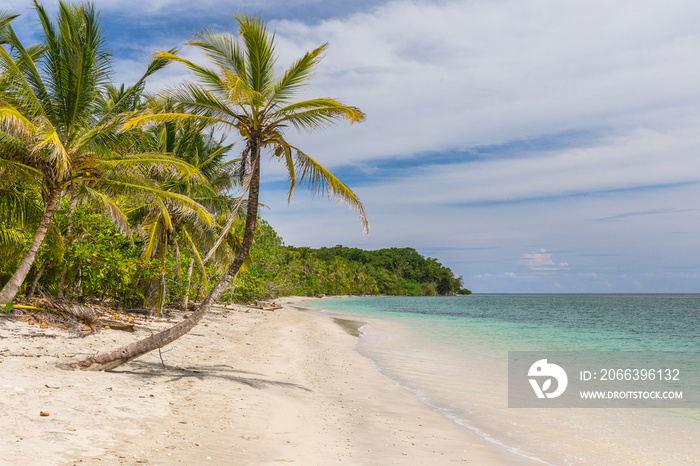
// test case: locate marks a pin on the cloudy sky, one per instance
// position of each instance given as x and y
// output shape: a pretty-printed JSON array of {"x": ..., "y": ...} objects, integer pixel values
[{"x": 529, "y": 145}]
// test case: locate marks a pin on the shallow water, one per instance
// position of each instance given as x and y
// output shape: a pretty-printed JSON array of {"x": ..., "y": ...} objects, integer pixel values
[{"x": 451, "y": 352}]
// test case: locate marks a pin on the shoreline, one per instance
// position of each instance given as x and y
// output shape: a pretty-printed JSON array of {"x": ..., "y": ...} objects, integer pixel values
[
  {"x": 441, "y": 373},
  {"x": 247, "y": 386}
]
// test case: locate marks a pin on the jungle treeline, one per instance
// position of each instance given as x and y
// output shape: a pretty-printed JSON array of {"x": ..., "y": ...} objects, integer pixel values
[
  {"x": 278, "y": 270},
  {"x": 101, "y": 263}
]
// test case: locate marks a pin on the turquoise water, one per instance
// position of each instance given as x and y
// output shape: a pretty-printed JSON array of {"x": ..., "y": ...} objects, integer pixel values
[
  {"x": 451, "y": 352},
  {"x": 543, "y": 322}
]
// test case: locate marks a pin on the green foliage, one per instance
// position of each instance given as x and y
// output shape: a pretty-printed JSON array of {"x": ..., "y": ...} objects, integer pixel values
[
  {"x": 102, "y": 263},
  {"x": 20, "y": 209},
  {"x": 59, "y": 128},
  {"x": 132, "y": 221},
  {"x": 278, "y": 270},
  {"x": 99, "y": 261}
]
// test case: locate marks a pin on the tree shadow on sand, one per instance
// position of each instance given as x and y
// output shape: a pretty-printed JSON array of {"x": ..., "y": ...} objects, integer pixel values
[{"x": 219, "y": 371}]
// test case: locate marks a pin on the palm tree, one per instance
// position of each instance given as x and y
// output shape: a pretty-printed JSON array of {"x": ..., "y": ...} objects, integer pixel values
[
  {"x": 165, "y": 226},
  {"x": 54, "y": 128},
  {"x": 20, "y": 210},
  {"x": 192, "y": 142},
  {"x": 245, "y": 96}
]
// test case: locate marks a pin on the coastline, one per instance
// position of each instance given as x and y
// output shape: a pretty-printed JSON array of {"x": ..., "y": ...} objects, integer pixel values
[
  {"x": 247, "y": 386},
  {"x": 465, "y": 379}
]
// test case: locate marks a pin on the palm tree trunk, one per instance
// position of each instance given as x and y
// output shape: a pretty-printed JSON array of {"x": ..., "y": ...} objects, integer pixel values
[
  {"x": 178, "y": 265},
  {"x": 11, "y": 288},
  {"x": 35, "y": 282},
  {"x": 162, "y": 292},
  {"x": 114, "y": 359},
  {"x": 189, "y": 282},
  {"x": 79, "y": 285},
  {"x": 229, "y": 224},
  {"x": 69, "y": 234},
  {"x": 62, "y": 283}
]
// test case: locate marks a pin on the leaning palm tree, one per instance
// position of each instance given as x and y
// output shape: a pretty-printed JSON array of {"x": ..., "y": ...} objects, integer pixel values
[
  {"x": 54, "y": 129},
  {"x": 245, "y": 95}
]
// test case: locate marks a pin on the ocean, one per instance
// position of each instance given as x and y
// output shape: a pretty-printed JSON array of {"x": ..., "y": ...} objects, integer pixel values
[{"x": 452, "y": 353}]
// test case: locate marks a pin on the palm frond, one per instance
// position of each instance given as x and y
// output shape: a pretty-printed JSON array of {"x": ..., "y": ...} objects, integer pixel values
[
  {"x": 49, "y": 142},
  {"x": 195, "y": 253},
  {"x": 156, "y": 118},
  {"x": 179, "y": 202},
  {"x": 222, "y": 50},
  {"x": 207, "y": 76},
  {"x": 154, "y": 163},
  {"x": 319, "y": 180},
  {"x": 260, "y": 53},
  {"x": 12, "y": 240},
  {"x": 20, "y": 207},
  {"x": 316, "y": 113},
  {"x": 20, "y": 172},
  {"x": 295, "y": 77},
  {"x": 23, "y": 75},
  {"x": 115, "y": 211},
  {"x": 77, "y": 62},
  {"x": 15, "y": 123},
  {"x": 151, "y": 233},
  {"x": 126, "y": 99},
  {"x": 5, "y": 19}
]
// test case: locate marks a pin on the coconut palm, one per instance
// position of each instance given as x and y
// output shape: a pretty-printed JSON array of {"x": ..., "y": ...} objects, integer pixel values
[
  {"x": 244, "y": 95},
  {"x": 164, "y": 228},
  {"x": 54, "y": 129},
  {"x": 194, "y": 143},
  {"x": 20, "y": 210}
]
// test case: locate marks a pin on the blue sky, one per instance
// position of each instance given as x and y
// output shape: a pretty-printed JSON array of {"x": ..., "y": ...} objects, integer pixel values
[{"x": 531, "y": 146}]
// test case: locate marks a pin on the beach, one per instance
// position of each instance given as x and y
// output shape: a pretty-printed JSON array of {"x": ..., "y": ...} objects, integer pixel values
[
  {"x": 246, "y": 386},
  {"x": 452, "y": 354}
]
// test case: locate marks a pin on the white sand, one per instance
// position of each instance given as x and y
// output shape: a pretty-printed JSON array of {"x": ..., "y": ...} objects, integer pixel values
[{"x": 244, "y": 387}]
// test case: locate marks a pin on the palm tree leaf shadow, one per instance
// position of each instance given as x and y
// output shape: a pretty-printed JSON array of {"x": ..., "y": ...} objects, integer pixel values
[{"x": 218, "y": 371}]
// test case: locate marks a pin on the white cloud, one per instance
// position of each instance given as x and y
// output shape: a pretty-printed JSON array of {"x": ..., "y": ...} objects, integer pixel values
[
  {"x": 538, "y": 259},
  {"x": 436, "y": 76},
  {"x": 640, "y": 158},
  {"x": 542, "y": 261},
  {"x": 442, "y": 75}
]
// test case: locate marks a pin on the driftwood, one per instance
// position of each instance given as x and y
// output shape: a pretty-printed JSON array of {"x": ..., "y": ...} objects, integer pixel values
[
  {"x": 265, "y": 306},
  {"x": 116, "y": 325},
  {"x": 144, "y": 312},
  {"x": 81, "y": 318},
  {"x": 49, "y": 314}
]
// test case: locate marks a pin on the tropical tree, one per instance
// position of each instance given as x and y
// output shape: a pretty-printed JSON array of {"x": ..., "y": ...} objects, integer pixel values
[
  {"x": 20, "y": 211},
  {"x": 167, "y": 226},
  {"x": 244, "y": 94},
  {"x": 55, "y": 131}
]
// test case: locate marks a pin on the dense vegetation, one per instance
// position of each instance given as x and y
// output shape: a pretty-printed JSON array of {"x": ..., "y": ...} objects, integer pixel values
[
  {"x": 107, "y": 193},
  {"x": 278, "y": 270},
  {"x": 102, "y": 263}
]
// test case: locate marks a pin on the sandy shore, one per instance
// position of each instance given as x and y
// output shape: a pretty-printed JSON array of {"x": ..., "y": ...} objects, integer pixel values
[{"x": 246, "y": 386}]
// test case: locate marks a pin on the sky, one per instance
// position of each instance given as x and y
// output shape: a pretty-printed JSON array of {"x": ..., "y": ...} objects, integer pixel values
[{"x": 532, "y": 146}]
